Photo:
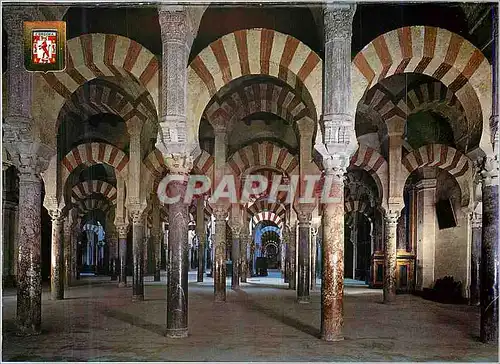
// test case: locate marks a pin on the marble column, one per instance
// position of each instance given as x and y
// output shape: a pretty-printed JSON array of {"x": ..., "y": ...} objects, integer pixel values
[
  {"x": 112, "y": 240},
  {"x": 138, "y": 233},
  {"x": 57, "y": 256},
  {"x": 9, "y": 243},
  {"x": 68, "y": 250},
  {"x": 243, "y": 254},
  {"x": 156, "y": 237},
  {"x": 220, "y": 214},
  {"x": 475, "y": 290},
  {"x": 489, "y": 265},
  {"x": 178, "y": 262},
  {"x": 122, "y": 254},
  {"x": 390, "y": 257},
  {"x": 235, "y": 254},
  {"x": 29, "y": 278},
  {"x": 303, "y": 281},
  {"x": 286, "y": 242},
  {"x": 201, "y": 231},
  {"x": 314, "y": 236},
  {"x": 332, "y": 278},
  {"x": 292, "y": 284}
]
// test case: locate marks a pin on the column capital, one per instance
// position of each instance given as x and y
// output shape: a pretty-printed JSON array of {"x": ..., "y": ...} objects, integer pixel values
[
  {"x": 56, "y": 214},
  {"x": 137, "y": 213},
  {"x": 179, "y": 163},
  {"x": 391, "y": 216},
  {"x": 338, "y": 20},
  {"x": 336, "y": 165},
  {"x": 220, "y": 213},
  {"x": 122, "y": 230},
  {"x": 304, "y": 215},
  {"x": 490, "y": 171},
  {"x": 134, "y": 126},
  {"x": 175, "y": 24}
]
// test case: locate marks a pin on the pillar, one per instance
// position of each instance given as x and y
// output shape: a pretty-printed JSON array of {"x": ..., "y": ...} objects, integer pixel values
[
  {"x": 9, "y": 212},
  {"x": 178, "y": 261},
  {"x": 235, "y": 254},
  {"x": 338, "y": 143},
  {"x": 489, "y": 266},
  {"x": 244, "y": 252},
  {"x": 68, "y": 249},
  {"x": 201, "y": 231},
  {"x": 286, "y": 242},
  {"x": 475, "y": 290},
  {"x": 122, "y": 254},
  {"x": 332, "y": 254},
  {"x": 156, "y": 237},
  {"x": 220, "y": 214},
  {"x": 390, "y": 256},
  {"x": 292, "y": 284},
  {"x": 314, "y": 246},
  {"x": 303, "y": 281},
  {"x": 112, "y": 240},
  {"x": 138, "y": 227},
  {"x": 57, "y": 256},
  {"x": 426, "y": 232}
]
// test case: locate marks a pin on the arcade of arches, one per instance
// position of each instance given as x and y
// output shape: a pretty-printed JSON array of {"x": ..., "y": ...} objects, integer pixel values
[{"x": 401, "y": 114}]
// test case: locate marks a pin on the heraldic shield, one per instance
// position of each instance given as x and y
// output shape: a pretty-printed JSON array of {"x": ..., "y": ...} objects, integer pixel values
[{"x": 45, "y": 46}]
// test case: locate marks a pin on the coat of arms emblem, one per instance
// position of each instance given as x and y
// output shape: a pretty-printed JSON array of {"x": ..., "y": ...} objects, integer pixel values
[{"x": 44, "y": 44}]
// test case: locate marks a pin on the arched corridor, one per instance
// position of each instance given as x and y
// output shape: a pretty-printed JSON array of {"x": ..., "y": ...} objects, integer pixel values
[{"x": 219, "y": 174}]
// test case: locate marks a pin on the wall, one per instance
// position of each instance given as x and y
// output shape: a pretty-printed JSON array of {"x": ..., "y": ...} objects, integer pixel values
[{"x": 452, "y": 244}]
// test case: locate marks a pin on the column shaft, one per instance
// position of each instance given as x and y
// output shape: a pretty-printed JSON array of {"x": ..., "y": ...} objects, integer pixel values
[
  {"x": 57, "y": 258},
  {"x": 138, "y": 255},
  {"x": 122, "y": 255},
  {"x": 243, "y": 256},
  {"x": 475, "y": 284},
  {"x": 390, "y": 256},
  {"x": 178, "y": 264},
  {"x": 304, "y": 260},
  {"x": 292, "y": 284},
  {"x": 235, "y": 278},
  {"x": 29, "y": 278},
  {"x": 332, "y": 277},
  {"x": 489, "y": 265},
  {"x": 220, "y": 256}
]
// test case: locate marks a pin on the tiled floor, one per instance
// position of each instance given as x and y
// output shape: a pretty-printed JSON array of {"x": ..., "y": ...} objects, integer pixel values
[{"x": 261, "y": 322}]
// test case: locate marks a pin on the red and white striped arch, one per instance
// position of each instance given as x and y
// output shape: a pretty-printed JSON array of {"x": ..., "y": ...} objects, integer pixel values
[
  {"x": 85, "y": 189},
  {"x": 435, "y": 52},
  {"x": 106, "y": 98},
  {"x": 374, "y": 163},
  {"x": 252, "y": 52},
  {"x": 443, "y": 157},
  {"x": 91, "y": 56},
  {"x": 94, "y": 153},
  {"x": 259, "y": 97},
  {"x": 262, "y": 155},
  {"x": 267, "y": 216},
  {"x": 91, "y": 204},
  {"x": 265, "y": 205}
]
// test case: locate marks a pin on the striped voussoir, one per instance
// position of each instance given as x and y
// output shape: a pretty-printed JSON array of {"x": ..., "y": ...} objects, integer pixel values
[
  {"x": 252, "y": 52},
  {"x": 435, "y": 52},
  {"x": 85, "y": 189},
  {"x": 374, "y": 163},
  {"x": 91, "y": 204},
  {"x": 105, "y": 97},
  {"x": 262, "y": 205},
  {"x": 263, "y": 154},
  {"x": 438, "y": 155},
  {"x": 94, "y": 153},
  {"x": 259, "y": 97},
  {"x": 443, "y": 157},
  {"x": 91, "y": 56},
  {"x": 267, "y": 216}
]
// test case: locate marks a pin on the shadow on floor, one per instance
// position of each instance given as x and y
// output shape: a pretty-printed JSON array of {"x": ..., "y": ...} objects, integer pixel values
[
  {"x": 289, "y": 321},
  {"x": 134, "y": 320}
]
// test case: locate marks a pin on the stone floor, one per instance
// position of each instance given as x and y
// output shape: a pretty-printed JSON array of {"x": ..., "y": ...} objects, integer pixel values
[{"x": 261, "y": 322}]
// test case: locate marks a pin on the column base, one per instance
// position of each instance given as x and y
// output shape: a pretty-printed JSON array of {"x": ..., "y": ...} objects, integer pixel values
[
  {"x": 28, "y": 331},
  {"x": 137, "y": 297},
  {"x": 57, "y": 297},
  {"x": 122, "y": 285},
  {"x": 305, "y": 299},
  {"x": 177, "y": 333},
  {"x": 332, "y": 337},
  {"x": 220, "y": 299}
]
